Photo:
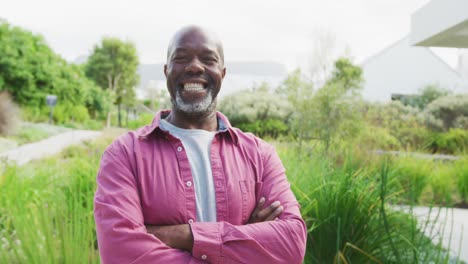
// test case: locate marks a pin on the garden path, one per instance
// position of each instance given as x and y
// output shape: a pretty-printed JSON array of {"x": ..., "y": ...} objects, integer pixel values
[
  {"x": 454, "y": 233},
  {"x": 47, "y": 147}
]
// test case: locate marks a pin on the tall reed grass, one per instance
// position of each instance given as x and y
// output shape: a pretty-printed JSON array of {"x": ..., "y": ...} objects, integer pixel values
[
  {"x": 346, "y": 209},
  {"x": 46, "y": 209}
]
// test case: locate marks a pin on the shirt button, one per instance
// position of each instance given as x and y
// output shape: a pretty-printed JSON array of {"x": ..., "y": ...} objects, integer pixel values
[
  {"x": 179, "y": 149},
  {"x": 204, "y": 257},
  {"x": 188, "y": 183},
  {"x": 190, "y": 221}
]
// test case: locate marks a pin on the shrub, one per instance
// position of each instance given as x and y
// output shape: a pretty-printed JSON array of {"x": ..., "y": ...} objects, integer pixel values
[
  {"x": 448, "y": 112},
  {"x": 79, "y": 114},
  {"x": 259, "y": 111},
  {"x": 35, "y": 114},
  {"x": 8, "y": 114},
  {"x": 404, "y": 123},
  {"x": 262, "y": 128},
  {"x": 373, "y": 137},
  {"x": 452, "y": 142},
  {"x": 425, "y": 96},
  {"x": 93, "y": 124}
]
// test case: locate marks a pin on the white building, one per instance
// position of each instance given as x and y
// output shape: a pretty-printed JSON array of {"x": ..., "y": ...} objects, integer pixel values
[
  {"x": 405, "y": 69},
  {"x": 409, "y": 64}
]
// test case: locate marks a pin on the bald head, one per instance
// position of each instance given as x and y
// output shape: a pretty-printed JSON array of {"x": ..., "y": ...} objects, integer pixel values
[{"x": 182, "y": 34}]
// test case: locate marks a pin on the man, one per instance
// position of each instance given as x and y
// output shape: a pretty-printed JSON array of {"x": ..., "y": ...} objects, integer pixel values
[{"x": 190, "y": 188}]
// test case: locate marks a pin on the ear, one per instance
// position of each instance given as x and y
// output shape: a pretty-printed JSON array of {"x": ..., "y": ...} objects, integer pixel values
[
  {"x": 165, "y": 70},
  {"x": 224, "y": 72}
]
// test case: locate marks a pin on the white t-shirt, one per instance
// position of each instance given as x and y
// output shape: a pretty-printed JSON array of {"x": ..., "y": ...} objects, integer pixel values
[{"x": 197, "y": 145}]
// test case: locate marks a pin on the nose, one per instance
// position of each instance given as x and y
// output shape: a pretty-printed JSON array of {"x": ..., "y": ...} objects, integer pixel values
[{"x": 195, "y": 66}]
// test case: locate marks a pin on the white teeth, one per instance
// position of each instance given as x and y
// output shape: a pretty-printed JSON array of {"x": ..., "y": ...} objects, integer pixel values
[{"x": 193, "y": 87}]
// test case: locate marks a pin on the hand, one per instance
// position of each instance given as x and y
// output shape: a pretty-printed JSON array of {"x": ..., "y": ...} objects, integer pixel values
[
  {"x": 174, "y": 236},
  {"x": 268, "y": 214}
]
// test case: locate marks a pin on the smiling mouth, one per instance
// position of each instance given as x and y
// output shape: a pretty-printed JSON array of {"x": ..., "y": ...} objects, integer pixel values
[{"x": 193, "y": 87}]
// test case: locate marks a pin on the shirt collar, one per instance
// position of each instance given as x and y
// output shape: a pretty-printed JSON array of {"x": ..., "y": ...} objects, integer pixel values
[{"x": 224, "y": 126}]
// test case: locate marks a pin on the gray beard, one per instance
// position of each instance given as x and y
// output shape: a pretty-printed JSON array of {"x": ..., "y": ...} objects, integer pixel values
[{"x": 204, "y": 106}]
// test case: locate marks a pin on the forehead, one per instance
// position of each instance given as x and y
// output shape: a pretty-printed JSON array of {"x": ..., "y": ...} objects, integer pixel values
[{"x": 194, "y": 41}]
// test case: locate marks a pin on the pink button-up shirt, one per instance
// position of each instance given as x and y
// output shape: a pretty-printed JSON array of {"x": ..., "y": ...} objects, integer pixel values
[{"x": 145, "y": 178}]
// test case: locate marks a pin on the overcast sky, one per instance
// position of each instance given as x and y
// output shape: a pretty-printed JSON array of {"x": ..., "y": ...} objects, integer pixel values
[{"x": 268, "y": 30}]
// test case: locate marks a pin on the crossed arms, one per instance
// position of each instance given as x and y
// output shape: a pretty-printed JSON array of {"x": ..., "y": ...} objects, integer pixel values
[{"x": 124, "y": 238}]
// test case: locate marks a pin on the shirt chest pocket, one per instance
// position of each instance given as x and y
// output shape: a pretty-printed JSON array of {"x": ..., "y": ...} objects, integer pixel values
[{"x": 250, "y": 194}]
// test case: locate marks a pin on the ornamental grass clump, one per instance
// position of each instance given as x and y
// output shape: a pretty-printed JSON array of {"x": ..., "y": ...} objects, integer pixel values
[
  {"x": 461, "y": 172},
  {"x": 46, "y": 209},
  {"x": 348, "y": 215},
  {"x": 442, "y": 182},
  {"x": 412, "y": 175}
]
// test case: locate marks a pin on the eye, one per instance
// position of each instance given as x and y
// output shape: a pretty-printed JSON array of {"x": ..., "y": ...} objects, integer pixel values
[
  {"x": 210, "y": 60},
  {"x": 180, "y": 59}
]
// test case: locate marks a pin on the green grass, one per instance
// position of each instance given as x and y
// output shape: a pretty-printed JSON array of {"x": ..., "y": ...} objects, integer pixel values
[
  {"x": 46, "y": 209},
  {"x": 31, "y": 132},
  {"x": 346, "y": 208}
]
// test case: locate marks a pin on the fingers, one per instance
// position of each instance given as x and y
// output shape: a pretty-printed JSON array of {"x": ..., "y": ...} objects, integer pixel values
[
  {"x": 254, "y": 216},
  {"x": 269, "y": 213},
  {"x": 277, "y": 212},
  {"x": 259, "y": 206}
]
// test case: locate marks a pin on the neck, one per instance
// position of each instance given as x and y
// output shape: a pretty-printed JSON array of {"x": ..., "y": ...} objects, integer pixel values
[{"x": 205, "y": 121}]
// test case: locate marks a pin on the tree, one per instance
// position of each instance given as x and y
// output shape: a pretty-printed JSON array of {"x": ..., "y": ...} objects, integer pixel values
[
  {"x": 337, "y": 103},
  {"x": 113, "y": 66},
  {"x": 299, "y": 92},
  {"x": 330, "y": 112},
  {"x": 30, "y": 70}
]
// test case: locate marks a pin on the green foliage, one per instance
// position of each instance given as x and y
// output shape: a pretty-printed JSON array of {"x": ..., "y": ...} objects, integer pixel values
[
  {"x": 113, "y": 65},
  {"x": 412, "y": 176},
  {"x": 46, "y": 210},
  {"x": 143, "y": 119},
  {"x": 270, "y": 127},
  {"x": 35, "y": 114},
  {"x": 461, "y": 172},
  {"x": 299, "y": 93},
  {"x": 430, "y": 93},
  {"x": 30, "y": 70},
  {"x": 404, "y": 123},
  {"x": 30, "y": 132},
  {"x": 425, "y": 96},
  {"x": 259, "y": 111},
  {"x": 348, "y": 75},
  {"x": 8, "y": 114},
  {"x": 455, "y": 141},
  {"x": 329, "y": 113},
  {"x": 442, "y": 184},
  {"x": 99, "y": 102},
  {"x": 66, "y": 113},
  {"x": 347, "y": 216},
  {"x": 376, "y": 137},
  {"x": 448, "y": 112}
]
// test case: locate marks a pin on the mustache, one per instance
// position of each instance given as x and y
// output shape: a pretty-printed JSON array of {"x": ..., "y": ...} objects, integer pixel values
[{"x": 188, "y": 77}]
